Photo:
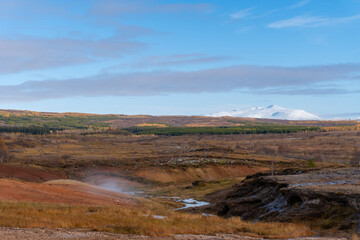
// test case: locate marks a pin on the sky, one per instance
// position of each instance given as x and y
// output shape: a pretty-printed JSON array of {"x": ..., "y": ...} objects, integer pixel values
[{"x": 179, "y": 57}]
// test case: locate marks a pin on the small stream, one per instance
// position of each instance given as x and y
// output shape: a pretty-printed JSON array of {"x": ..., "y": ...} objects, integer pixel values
[{"x": 189, "y": 203}]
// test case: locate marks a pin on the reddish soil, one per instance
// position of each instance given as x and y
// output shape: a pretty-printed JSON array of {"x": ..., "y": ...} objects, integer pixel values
[
  {"x": 28, "y": 173},
  {"x": 62, "y": 192}
]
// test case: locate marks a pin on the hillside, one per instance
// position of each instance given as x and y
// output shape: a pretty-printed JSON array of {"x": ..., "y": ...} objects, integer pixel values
[{"x": 63, "y": 121}]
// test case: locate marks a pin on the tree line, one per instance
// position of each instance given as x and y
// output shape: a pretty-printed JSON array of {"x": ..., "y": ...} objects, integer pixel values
[
  {"x": 36, "y": 130},
  {"x": 178, "y": 131}
]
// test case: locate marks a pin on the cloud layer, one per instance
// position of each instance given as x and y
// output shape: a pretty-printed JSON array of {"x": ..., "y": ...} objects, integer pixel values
[
  {"x": 252, "y": 78},
  {"x": 105, "y": 36},
  {"x": 175, "y": 60},
  {"x": 41, "y": 53}
]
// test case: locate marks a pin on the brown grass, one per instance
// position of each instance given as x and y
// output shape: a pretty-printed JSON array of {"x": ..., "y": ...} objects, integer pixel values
[
  {"x": 191, "y": 191},
  {"x": 206, "y": 173},
  {"x": 139, "y": 156},
  {"x": 133, "y": 220},
  {"x": 57, "y": 150}
]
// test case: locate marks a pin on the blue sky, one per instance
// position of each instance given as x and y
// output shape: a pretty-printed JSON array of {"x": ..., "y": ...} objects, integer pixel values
[{"x": 179, "y": 57}]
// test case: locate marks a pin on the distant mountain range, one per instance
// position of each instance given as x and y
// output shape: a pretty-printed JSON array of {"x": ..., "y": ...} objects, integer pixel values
[
  {"x": 270, "y": 112},
  {"x": 343, "y": 116}
]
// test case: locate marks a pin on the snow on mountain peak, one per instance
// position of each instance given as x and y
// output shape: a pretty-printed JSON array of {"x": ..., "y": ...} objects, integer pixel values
[{"x": 270, "y": 112}]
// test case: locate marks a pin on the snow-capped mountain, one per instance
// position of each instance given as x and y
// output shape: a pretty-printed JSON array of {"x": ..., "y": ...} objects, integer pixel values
[{"x": 271, "y": 112}]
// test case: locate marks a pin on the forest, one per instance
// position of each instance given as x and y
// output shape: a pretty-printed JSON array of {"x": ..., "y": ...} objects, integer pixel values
[{"x": 178, "y": 131}]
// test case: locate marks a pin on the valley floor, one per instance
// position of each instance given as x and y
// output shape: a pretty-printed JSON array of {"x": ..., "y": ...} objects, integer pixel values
[{"x": 67, "y": 181}]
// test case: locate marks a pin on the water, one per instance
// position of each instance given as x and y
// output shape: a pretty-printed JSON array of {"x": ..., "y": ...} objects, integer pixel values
[
  {"x": 208, "y": 215},
  {"x": 133, "y": 193},
  {"x": 190, "y": 203}
]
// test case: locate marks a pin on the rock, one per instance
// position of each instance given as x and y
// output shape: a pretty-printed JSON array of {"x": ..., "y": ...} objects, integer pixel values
[{"x": 329, "y": 198}]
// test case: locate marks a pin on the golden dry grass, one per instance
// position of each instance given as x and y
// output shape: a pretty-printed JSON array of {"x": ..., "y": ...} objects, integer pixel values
[
  {"x": 160, "y": 125},
  {"x": 134, "y": 220}
]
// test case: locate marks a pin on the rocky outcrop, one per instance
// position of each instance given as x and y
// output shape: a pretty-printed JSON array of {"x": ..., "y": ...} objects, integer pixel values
[{"x": 324, "y": 198}]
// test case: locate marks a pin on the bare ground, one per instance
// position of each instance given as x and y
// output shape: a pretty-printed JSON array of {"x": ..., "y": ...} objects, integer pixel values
[
  {"x": 50, "y": 234},
  {"x": 28, "y": 173}
]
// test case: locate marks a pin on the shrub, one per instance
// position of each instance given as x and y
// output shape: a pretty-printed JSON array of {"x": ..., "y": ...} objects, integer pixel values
[{"x": 311, "y": 163}]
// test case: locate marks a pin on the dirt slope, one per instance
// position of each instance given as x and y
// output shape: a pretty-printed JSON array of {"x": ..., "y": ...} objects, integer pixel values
[
  {"x": 190, "y": 174},
  {"x": 67, "y": 192},
  {"x": 28, "y": 173}
]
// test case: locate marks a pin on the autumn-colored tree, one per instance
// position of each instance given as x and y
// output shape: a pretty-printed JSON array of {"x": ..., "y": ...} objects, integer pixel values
[{"x": 3, "y": 151}]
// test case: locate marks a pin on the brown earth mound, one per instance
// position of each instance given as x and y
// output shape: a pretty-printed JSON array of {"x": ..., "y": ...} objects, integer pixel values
[
  {"x": 28, "y": 173},
  {"x": 63, "y": 191},
  {"x": 191, "y": 174}
]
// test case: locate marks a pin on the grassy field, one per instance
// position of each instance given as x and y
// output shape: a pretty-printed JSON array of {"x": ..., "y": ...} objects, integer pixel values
[
  {"x": 65, "y": 151},
  {"x": 55, "y": 120},
  {"x": 136, "y": 220}
]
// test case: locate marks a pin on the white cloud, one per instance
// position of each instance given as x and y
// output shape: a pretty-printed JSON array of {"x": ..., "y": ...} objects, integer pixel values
[
  {"x": 241, "y": 14},
  {"x": 308, "y": 21},
  {"x": 176, "y": 60},
  {"x": 300, "y": 4}
]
